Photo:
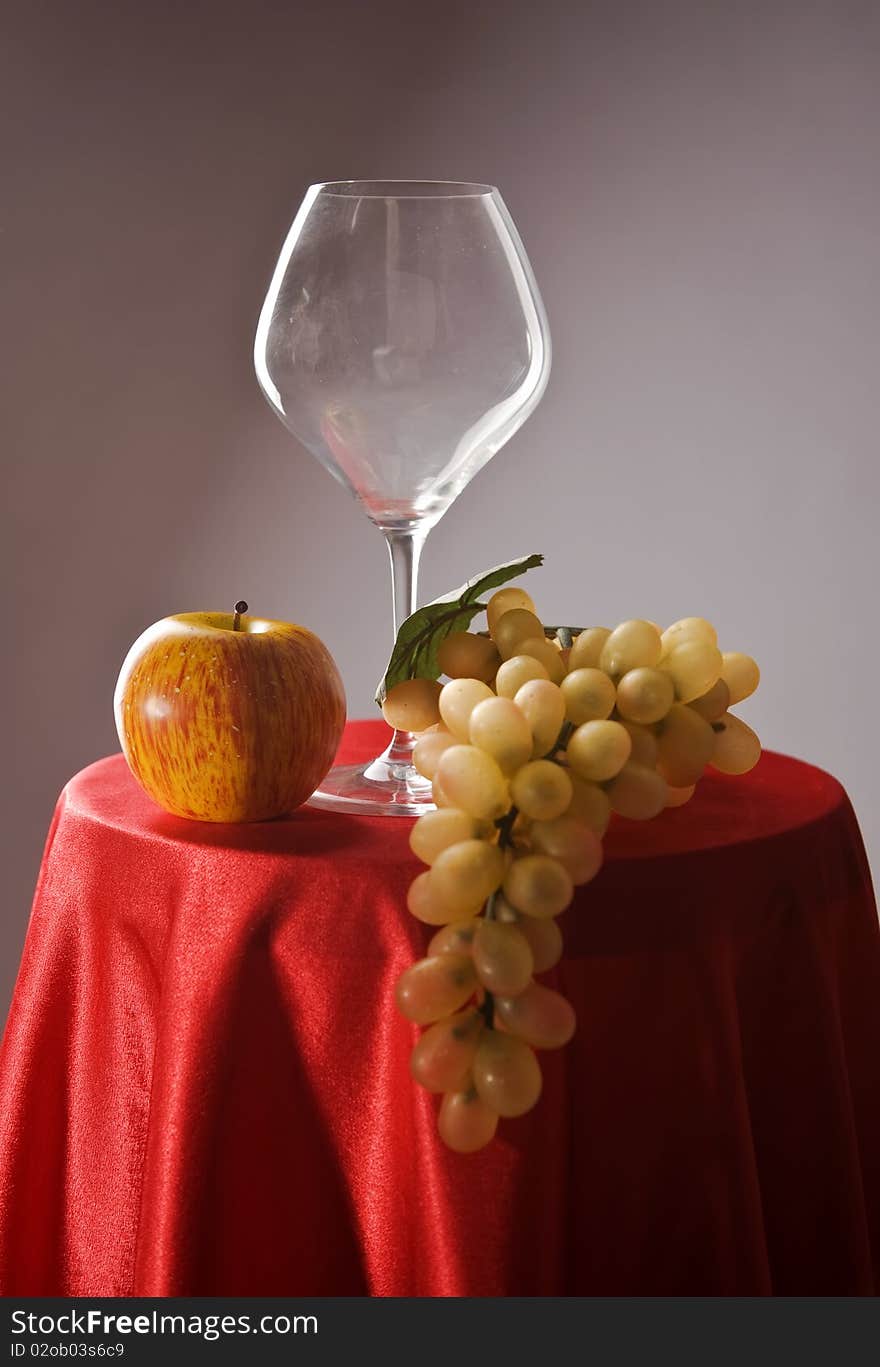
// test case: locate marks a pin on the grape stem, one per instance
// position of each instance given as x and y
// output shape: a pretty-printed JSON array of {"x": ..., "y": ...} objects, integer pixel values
[
  {"x": 566, "y": 634},
  {"x": 561, "y": 741},
  {"x": 505, "y": 826},
  {"x": 505, "y": 840}
]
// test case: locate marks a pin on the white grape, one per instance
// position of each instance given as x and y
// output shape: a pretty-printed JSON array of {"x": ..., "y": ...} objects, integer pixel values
[
  {"x": 464, "y": 655},
  {"x": 587, "y": 648},
  {"x": 499, "y": 727},
  {"x": 436, "y": 831},
  {"x": 466, "y": 874},
  {"x": 589, "y": 804},
  {"x": 638, "y": 792},
  {"x": 684, "y": 746},
  {"x": 428, "y": 749},
  {"x": 539, "y": 648},
  {"x": 645, "y": 695},
  {"x": 632, "y": 645},
  {"x": 505, "y": 600},
  {"x": 737, "y": 748},
  {"x": 644, "y": 743},
  {"x": 741, "y": 674},
  {"x": 713, "y": 704},
  {"x": 518, "y": 670},
  {"x": 694, "y": 667},
  {"x": 469, "y": 778},
  {"x": 412, "y": 705},
  {"x": 538, "y": 885},
  {"x": 589, "y": 695},
  {"x": 541, "y": 790},
  {"x": 578, "y": 849},
  {"x": 688, "y": 629},
  {"x": 457, "y": 701},
  {"x": 514, "y": 627},
  {"x": 598, "y": 750},
  {"x": 543, "y": 706}
]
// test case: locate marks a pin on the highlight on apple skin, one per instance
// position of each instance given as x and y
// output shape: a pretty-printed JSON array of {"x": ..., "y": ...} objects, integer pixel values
[{"x": 225, "y": 717}]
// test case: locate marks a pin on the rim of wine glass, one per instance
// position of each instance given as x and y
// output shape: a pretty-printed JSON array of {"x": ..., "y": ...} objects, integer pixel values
[{"x": 405, "y": 189}]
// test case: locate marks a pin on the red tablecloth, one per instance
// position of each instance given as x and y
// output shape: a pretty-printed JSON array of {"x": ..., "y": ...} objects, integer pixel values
[{"x": 204, "y": 1083}]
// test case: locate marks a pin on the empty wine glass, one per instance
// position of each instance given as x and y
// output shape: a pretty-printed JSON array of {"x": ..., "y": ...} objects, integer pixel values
[{"x": 402, "y": 341}]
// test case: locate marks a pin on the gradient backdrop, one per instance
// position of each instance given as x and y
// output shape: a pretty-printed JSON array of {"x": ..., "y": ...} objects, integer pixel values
[{"x": 698, "y": 187}]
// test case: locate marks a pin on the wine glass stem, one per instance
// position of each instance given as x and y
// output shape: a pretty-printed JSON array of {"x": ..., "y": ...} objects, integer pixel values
[{"x": 404, "y": 549}]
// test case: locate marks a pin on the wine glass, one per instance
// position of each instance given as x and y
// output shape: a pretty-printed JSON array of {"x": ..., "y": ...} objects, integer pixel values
[{"x": 402, "y": 341}]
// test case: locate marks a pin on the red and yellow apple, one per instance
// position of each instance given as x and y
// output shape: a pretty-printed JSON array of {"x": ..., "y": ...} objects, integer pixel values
[{"x": 225, "y": 717}]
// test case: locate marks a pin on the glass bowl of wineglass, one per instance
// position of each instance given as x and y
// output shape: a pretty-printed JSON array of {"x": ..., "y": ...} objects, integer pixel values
[{"x": 402, "y": 341}]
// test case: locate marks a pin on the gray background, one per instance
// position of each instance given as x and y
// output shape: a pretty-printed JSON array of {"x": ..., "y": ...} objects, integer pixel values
[{"x": 698, "y": 188}]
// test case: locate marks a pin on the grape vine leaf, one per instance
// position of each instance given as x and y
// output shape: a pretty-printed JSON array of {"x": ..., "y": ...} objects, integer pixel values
[{"x": 415, "y": 651}]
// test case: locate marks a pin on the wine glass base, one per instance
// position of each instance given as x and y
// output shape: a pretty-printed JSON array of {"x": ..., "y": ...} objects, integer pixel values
[{"x": 380, "y": 788}]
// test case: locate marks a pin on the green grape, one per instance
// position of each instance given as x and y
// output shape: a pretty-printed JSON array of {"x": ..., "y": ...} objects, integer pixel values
[
  {"x": 638, "y": 792},
  {"x": 433, "y": 988},
  {"x": 737, "y": 748},
  {"x": 538, "y": 1016},
  {"x": 587, "y": 648},
  {"x": 598, "y": 750},
  {"x": 515, "y": 626},
  {"x": 455, "y": 938},
  {"x": 463, "y": 655},
  {"x": 538, "y": 885},
  {"x": 439, "y": 794},
  {"x": 499, "y": 728},
  {"x": 688, "y": 629},
  {"x": 436, "y": 831},
  {"x": 590, "y": 805},
  {"x": 505, "y": 600},
  {"x": 539, "y": 648},
  {"x": 644, "y": 743},
  {"x": 458, "y": 699},
  {"x": 632, "y": 645},
  {"x": 541, "y": 790},
  {"x": 694, "y": 667},
  {"x": 502, "y": 958},
  {"x": 471, "y": 779},
  {"x": 464, "y": 875},
  {"x": 741, "y": 674},
  {"x": 589, "y": 695},
  {"x": 713, "y": 704},
  {"x": 544, "y": 937},
  {"x": 506, "y": 1074},
  {"x": 412, "y": 705},
  {"x": 518, "y": 670},
  {"x": 684, "y": 746},
  {"x": 441, "y": 1060},
  {"x": 428, "y": 749},
  {"x": 677, "y": 797},
  {"x": 465, "y": 1122},
  {"x": 543, "y": 706},
  {"x": 578, "y": 849},
  {"x": 425, "y": 901},
  {"x": 645, "y": 695}
]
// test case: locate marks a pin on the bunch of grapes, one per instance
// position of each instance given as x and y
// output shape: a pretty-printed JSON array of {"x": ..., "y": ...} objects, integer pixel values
[{"x": 539, "y": 735}]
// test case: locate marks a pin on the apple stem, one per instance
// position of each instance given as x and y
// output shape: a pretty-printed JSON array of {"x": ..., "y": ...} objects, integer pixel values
[{"x": 240, "y": 607}]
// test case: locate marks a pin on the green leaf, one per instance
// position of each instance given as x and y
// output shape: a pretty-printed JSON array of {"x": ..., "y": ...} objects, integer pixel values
[{"x": 415, "y": 651}]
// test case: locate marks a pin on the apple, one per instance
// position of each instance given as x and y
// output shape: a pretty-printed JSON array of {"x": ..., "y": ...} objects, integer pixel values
[{"x": 225, "y": 717}]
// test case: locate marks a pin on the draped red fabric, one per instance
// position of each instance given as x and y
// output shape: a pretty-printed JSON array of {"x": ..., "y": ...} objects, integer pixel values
[{"x": 204, "y": 1085}]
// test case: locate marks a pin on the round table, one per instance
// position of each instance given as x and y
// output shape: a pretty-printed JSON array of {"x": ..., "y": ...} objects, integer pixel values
[{"x": 204, "y": 1083}]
